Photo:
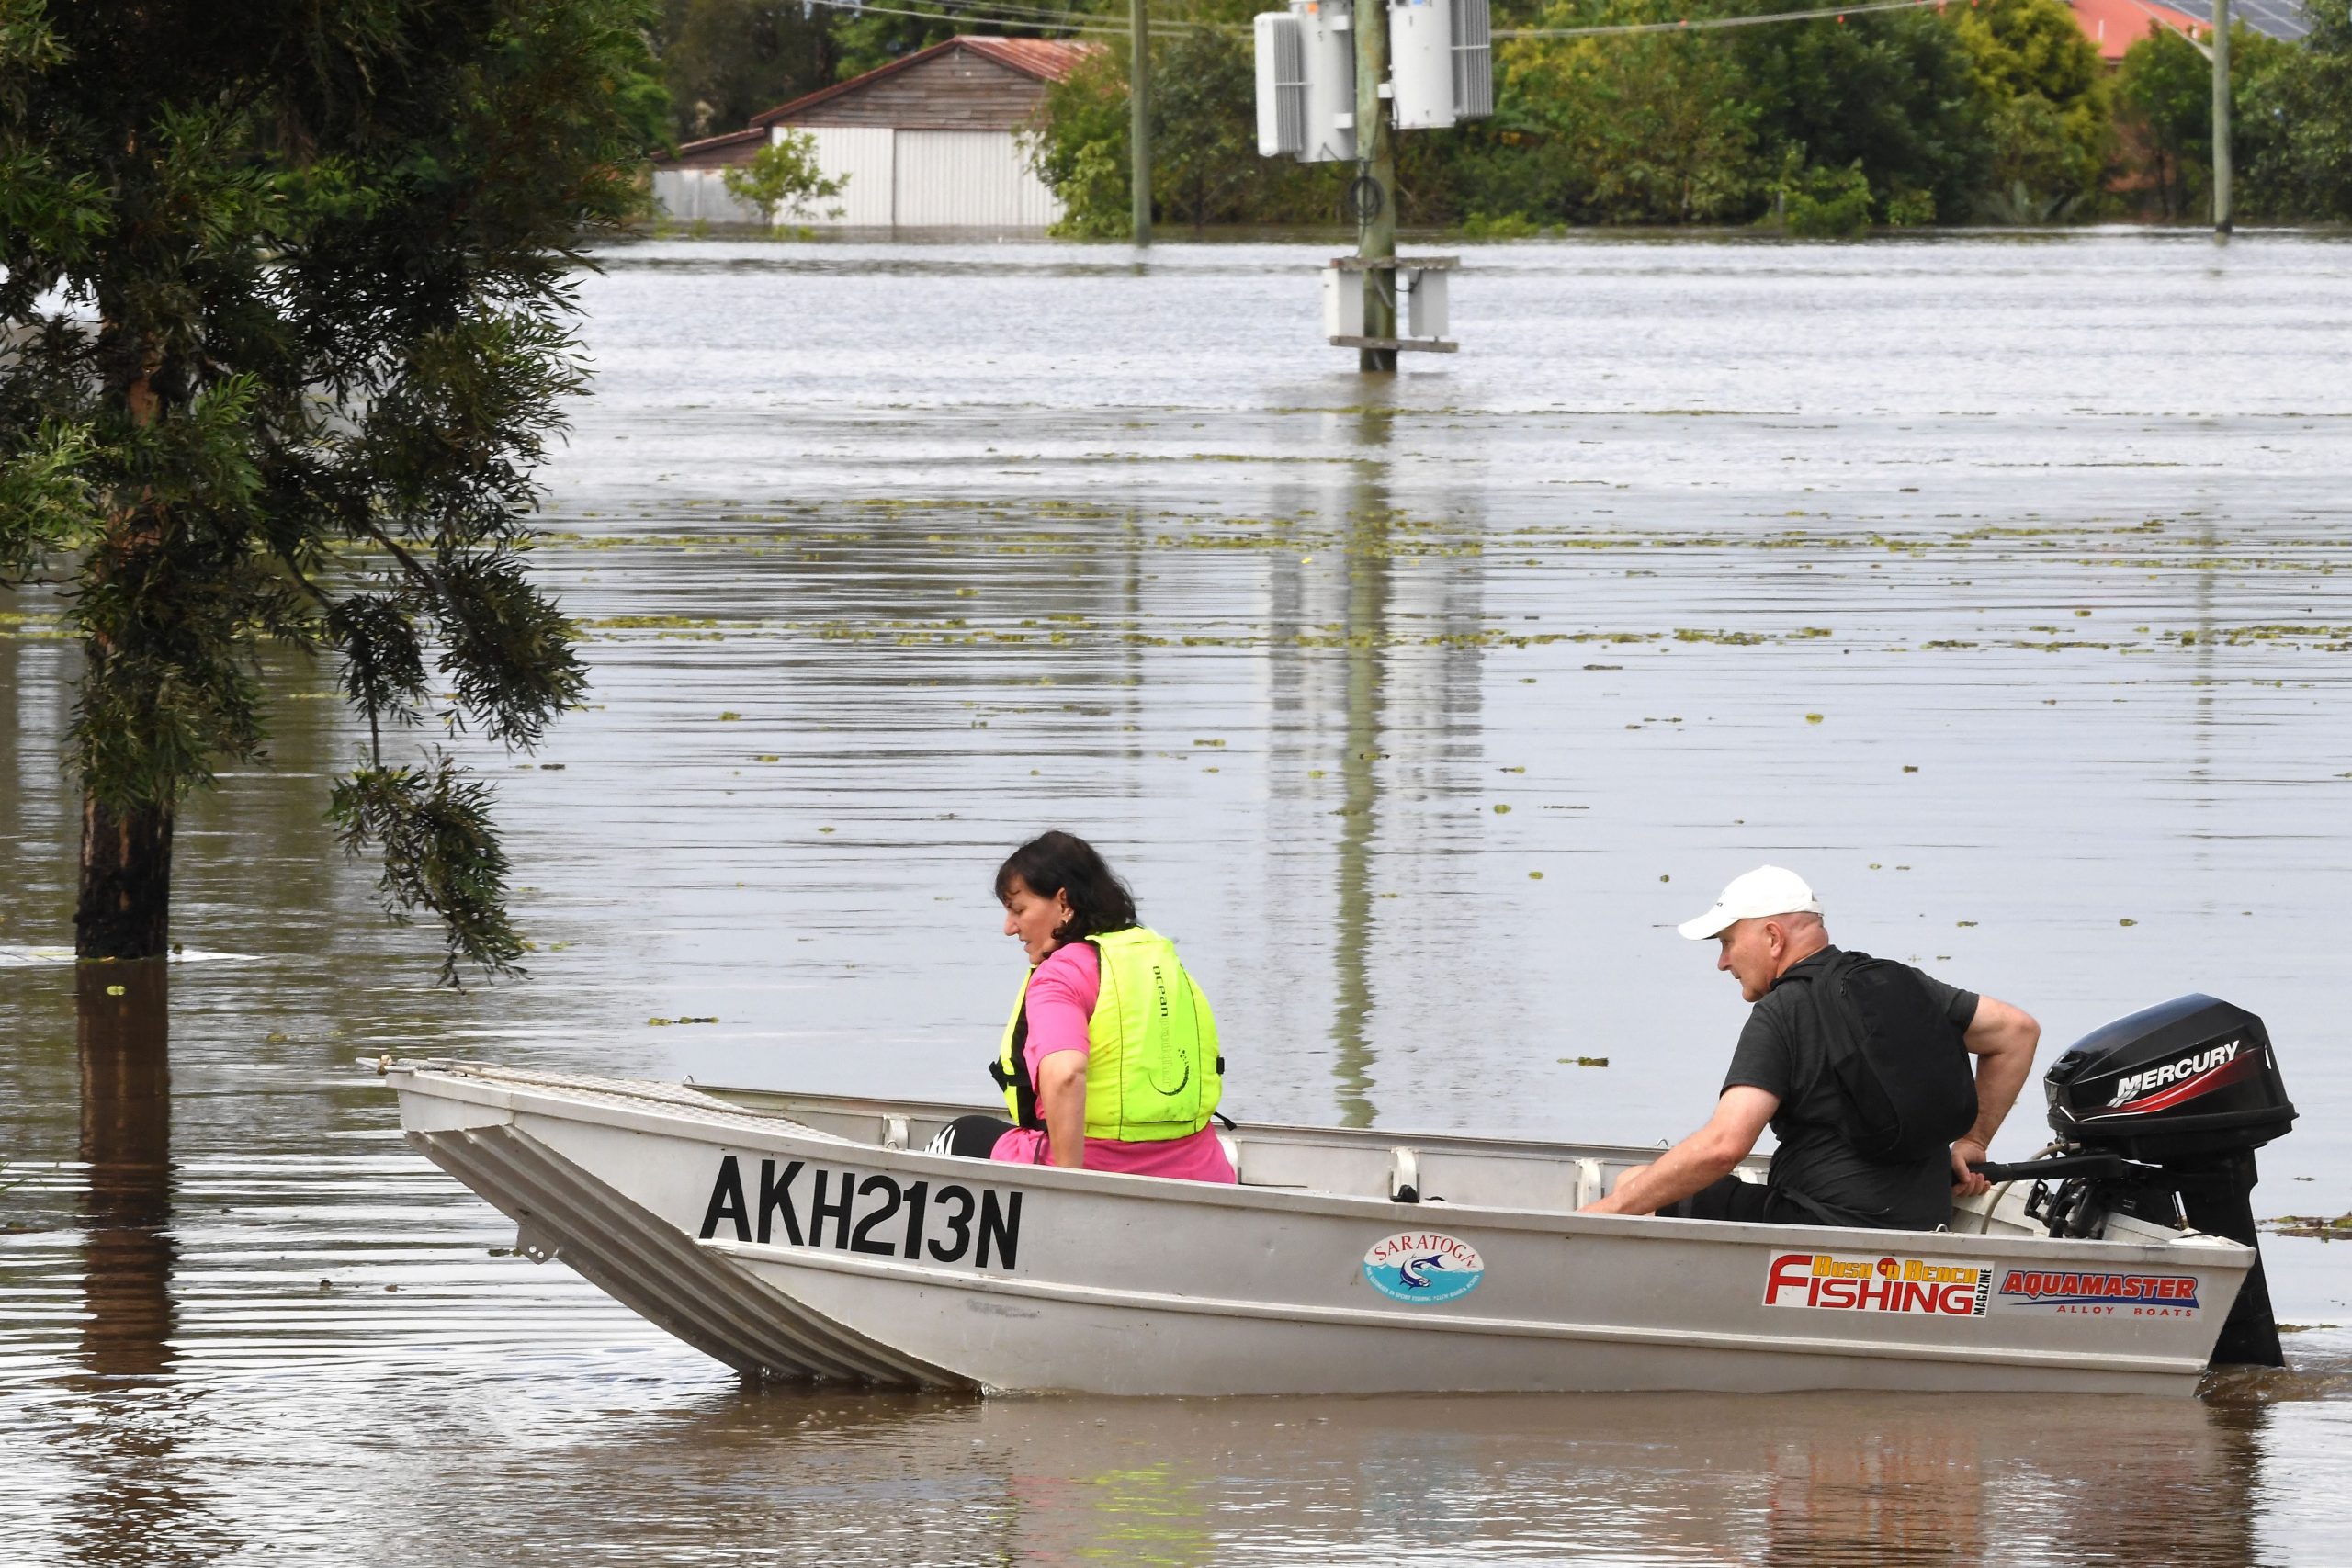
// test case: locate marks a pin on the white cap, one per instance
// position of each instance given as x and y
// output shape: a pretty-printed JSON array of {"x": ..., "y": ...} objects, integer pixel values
[{"x": 1767, "y": 890}]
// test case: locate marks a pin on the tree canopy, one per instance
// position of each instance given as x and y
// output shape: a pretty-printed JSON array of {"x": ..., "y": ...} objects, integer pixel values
[
  {"x": 284, "y": 331},
  {"x": 1996, "y": 111}
]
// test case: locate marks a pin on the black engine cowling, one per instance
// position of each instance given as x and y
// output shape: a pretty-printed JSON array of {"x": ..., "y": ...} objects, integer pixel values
[
  {"x": 2158, "y": 1116},
  {"x": 2184, "y": 1080}
]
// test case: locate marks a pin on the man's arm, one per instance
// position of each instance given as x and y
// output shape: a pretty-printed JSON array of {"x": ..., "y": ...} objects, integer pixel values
[
  {"x": 1705, "y": 1156},
  {"x": 2003, "y": 1039},
  {"x": 1061, "y": 1095}
]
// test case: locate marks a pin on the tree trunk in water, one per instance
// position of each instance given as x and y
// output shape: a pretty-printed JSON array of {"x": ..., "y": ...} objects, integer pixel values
[{"x": 126, "y": 904}]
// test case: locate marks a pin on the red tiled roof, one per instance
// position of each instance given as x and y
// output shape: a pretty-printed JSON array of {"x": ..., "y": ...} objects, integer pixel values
[
  {"x": 2114, "y": 25},
  {"x": 1043, "y": 60}
]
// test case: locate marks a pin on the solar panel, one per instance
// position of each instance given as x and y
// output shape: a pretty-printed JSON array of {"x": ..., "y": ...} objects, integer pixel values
[{"x": 2273, "y": 18}]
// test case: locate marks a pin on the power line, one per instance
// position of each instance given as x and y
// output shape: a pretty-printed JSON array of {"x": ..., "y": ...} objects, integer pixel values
[
  {"x": 993, "y": 11},
  {"x": 1009, "y": 13},
  {"x": 1695, "y": 24}
]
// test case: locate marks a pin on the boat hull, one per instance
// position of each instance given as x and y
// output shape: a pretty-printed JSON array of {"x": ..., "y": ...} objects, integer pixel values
[{"x": 790, "y": 1251}]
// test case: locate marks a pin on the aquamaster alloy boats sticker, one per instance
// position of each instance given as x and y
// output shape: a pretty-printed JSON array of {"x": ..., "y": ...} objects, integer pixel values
[
  {"x": 1423, "y": 1267},
  {"x": 1839, "y": 1282},
  {"x": 2102, "y": 1295}
]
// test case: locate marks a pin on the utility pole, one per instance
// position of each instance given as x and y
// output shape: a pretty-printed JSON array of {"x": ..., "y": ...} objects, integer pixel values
[
  {"x": 1139, "y": 120},
  {"x": 2220, "y": 116},
  {"x": 1375, "y": 186}
]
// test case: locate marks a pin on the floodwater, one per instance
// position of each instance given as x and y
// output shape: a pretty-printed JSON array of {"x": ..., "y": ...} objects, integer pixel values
[{"x": 1998, "y": 584}]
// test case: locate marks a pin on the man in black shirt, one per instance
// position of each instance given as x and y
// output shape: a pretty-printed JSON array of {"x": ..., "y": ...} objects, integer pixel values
[{"x": 1769, "y": 925}]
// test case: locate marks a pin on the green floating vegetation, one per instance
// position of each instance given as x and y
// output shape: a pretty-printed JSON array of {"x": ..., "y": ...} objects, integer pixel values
[{"x": 2315, "y": 1227}]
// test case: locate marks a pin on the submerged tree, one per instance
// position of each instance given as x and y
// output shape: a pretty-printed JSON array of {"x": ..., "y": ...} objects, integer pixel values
[
  {"x": 783, "y": 177},
  {"x": 283, "y": 331}
]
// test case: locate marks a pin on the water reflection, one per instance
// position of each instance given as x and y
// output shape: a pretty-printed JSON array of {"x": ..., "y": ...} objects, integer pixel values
[
  {"x": 1366, "y": 628},
  {"x": 122, "y": 1039},
  {"x": 129, "y": 1313},
  {"x": 1855, "y": 1482}
]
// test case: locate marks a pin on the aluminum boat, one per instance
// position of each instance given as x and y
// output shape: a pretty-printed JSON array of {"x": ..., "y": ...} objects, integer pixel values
[{"x": 814, "y": 1238}]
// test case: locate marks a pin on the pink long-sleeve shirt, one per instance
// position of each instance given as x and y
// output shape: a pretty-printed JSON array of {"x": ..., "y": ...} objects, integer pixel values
[{"x": 1062, "y": 995}]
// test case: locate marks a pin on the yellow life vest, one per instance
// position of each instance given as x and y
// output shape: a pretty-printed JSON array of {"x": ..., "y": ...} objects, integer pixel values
[{"x": 1152, "y": 1069}]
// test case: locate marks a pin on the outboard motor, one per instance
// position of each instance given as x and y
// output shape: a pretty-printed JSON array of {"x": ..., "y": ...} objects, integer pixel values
[{"x": 2158, "y": 1116}]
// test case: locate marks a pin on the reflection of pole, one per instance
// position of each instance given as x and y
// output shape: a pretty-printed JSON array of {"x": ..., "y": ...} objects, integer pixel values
[
  {"x": 2220, "y": 116},
  {"x": 1376, "y": 182},
  {"x": 1367, "y": 627},
  {"x": 1139, "y": 121}
]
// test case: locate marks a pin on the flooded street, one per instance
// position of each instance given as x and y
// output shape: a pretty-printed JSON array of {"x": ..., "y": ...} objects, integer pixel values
[{"x": 2002, "y": 586}]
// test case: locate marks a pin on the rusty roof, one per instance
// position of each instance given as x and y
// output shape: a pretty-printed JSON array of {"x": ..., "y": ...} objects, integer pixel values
[{"x": 1041, "y": 58}]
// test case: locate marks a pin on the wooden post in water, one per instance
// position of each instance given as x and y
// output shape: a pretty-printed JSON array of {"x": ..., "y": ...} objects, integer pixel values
[
  {"x": 1375, "y": 186},
  {"x": 1139, "y": 121},
  {"x": 2220, "y": 116}
]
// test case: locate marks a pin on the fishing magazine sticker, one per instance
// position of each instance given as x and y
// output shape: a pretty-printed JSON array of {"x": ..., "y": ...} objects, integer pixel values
[{"x": 1423, "y": 1267}]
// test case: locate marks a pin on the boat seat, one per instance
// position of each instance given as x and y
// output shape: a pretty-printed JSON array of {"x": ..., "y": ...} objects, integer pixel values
[{"x": 1404, "y": 1176}]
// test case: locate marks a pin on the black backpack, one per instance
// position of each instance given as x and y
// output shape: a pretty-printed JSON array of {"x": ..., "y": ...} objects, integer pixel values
[{"x": 1901, "y": 1065}]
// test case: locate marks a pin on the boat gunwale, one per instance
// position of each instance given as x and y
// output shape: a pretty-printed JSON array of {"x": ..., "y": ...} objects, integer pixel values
[{"x": 503, "y": 1093}]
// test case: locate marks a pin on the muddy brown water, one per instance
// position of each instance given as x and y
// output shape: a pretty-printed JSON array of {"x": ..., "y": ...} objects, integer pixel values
[{"x": 1996, "y": 583}]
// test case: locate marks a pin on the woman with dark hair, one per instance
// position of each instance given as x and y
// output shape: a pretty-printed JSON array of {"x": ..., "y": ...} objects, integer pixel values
[{"x": 1109, "y": 1062}]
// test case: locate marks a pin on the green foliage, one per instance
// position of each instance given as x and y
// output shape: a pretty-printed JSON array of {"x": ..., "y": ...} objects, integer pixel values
[
  {"x": 1204, "y": 164},
  {"x": 1907, "y": 209},
  {"x": 725, "y": 61},
  {"x": 1651, "y": 128},
  {"x": 1204, "y": 155},
  {"x": 286, "y": 304},
  {"x": 2048, "y": 117},
  {"x": 784, "y": 178},
  {"x": 2164, "y": 109},
  {"x": 1824, "y": 204},
  {"x": 1080, "y": 149},
  {"x": 2000, "y": 107},
  {"x": 1893, "y": 93},
  {"x": 1500, "y": 226},
  {"x": 2163, "y": 97},
  {"x": 432, "y": 826},
  {"x": 865, "y": 39},
  {"x": 2296, "y": 108}
]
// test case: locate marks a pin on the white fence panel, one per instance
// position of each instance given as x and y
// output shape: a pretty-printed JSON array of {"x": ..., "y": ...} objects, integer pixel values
[{"x": 969, "y": 179}]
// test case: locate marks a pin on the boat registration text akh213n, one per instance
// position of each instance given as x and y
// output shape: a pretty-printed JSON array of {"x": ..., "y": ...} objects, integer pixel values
[{"x": 880, "y": 1215}]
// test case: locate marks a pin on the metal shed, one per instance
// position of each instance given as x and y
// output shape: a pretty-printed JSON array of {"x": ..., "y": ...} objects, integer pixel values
[{"x": 932, "y": 140}]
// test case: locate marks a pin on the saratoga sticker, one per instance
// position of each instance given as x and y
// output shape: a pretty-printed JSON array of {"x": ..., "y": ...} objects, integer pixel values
[
  {"x": 1835, "y": 1282},
  {"x": 2103, "y": 1295},
  {"x": 1423, "y": 1267}
]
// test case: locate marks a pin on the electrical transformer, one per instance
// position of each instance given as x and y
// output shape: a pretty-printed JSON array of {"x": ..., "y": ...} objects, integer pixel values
[
  {"x": 1441, "y": 63},
  {"x": 1307, "y": 81}
]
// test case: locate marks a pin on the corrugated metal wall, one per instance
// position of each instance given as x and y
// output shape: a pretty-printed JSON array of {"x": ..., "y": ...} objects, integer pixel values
[
  {"x": 969, "y": 179},
  {"x": 902, "y": 179},
  {"x": 691, "y": 195},
  {"x": 861, "y": 153}
]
